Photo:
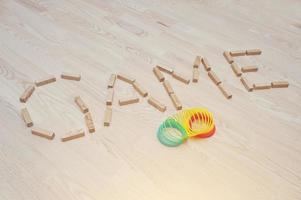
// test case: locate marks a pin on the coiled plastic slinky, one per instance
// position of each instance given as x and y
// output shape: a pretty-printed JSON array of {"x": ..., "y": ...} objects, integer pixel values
[{"x": 194, "y": 122}]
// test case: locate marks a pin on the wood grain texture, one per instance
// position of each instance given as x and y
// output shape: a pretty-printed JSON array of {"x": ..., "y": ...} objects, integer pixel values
[{"x": 255, "y": 153}]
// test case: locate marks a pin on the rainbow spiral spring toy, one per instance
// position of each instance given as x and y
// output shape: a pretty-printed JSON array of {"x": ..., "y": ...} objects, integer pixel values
[{"x": 194, "y": 122}]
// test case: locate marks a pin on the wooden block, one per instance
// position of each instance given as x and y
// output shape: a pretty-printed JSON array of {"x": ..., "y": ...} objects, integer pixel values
[
  {"x": 128, "y": 101},
  {"x": 167, "y": 87},
  {"x": 73, "y": 77},
  {"x": 79, "y": 102},
  {"x": 26, "y": 117},
  {"x": 73, "y": 135},
  {"x": 112, "y": 80},
  {"x": 197, "y": 62},
  {"x": 125, "y": 78},
  {"x": 253, "y": 52},
  {"x": 180, "y": 78},
  {"x": 224, "y": 91},
  {"x": 262, "y": 86},
  {"x": 176, "y": 101},
  {"x": 158, "y": 74},
  {"x": 107, "y": 116},
  {"x": 27, "y": 93},
  {"x": 46, "y": 80},
  {"x": 249, "y": 69},
  {"x": 206, "y": 64},
  {"x": 238, "y": 53},
  {"x": 140, "y": 89},
  {"x": 155, "y": 103},
  {"x": 228, "y": 57},
  {"x": 236, "y": 69},
  {"x": 195, "y": 75},
  {"x": 165, "y": 69},
  {"x": 42, "y": 133},
  {"x": 110, "y": 96},
  {"x": 214, "y": 78},
  {"x": 89, "y": 122},
  {"x": 246, "y": 83},
  {"x": 279, "y": 84}
]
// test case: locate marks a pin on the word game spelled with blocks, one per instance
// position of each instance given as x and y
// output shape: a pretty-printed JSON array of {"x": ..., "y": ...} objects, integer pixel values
[{"x": 159, "y": 72}]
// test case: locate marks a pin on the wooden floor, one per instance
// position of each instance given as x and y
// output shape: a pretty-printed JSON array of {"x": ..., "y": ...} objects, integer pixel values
[{"x": 255, "y": 153}]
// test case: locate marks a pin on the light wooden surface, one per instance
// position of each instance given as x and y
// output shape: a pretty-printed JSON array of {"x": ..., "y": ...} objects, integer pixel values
[{"x": 255, "y": 153}]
